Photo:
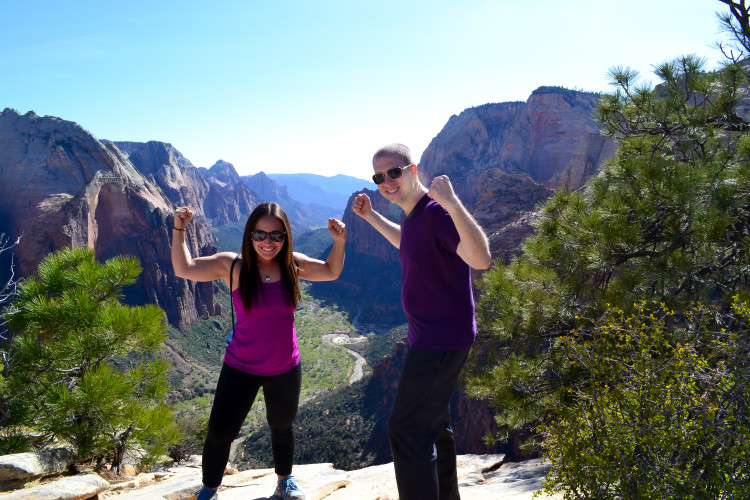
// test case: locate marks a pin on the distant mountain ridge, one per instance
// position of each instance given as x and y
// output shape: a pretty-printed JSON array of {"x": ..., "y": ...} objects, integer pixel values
[
  {"x": 314, "y": 189},
  {"x": 301, "y": 214},
  {"x": 63, "y": 186},
  {"x": 60, "y": 186}
]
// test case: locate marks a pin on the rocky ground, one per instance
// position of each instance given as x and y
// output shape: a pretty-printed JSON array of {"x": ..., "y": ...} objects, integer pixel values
[{"x": 480, "y": 477}]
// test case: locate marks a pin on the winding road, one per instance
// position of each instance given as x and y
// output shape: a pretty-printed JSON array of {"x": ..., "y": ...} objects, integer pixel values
[{"x": 360, "y": 362}]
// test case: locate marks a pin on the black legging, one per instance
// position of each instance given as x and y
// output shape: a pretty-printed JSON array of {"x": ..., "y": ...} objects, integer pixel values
[{"x": 235, "y": 393}]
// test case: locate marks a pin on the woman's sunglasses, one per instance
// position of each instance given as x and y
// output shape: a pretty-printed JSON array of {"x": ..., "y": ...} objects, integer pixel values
[
  {"x": 393, "y": 173},
  {"x": 277, "y": 236}
]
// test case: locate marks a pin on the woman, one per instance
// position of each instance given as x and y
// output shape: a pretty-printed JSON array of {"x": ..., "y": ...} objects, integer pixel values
[{"x": 262, "y": 352}]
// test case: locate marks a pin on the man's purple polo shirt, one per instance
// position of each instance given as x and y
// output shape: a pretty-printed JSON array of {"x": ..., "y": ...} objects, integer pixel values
[{"x": 436, "y": 291}]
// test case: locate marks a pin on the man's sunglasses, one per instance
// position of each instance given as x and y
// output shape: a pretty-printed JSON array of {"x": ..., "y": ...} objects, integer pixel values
[
  {"x": 393, "y": 173},
  {"x": 277, "y": 236}
]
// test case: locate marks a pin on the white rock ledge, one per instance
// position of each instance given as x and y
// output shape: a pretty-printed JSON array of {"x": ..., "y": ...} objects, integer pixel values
[
  {"x": 480, "y": 477},
  {"x": 477, "y": 481},
  {"x": 67, "y": 488}
]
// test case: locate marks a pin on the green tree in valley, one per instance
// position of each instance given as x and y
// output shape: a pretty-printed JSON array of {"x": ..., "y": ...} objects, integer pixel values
[
  {"x": 665, "y": 225},
  {"x": 78, "y": 371}
]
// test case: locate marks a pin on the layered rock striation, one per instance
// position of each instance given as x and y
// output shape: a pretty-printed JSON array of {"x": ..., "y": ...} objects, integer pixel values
[
  {"x": 504, "y": 159},
  {"x": 217, "y": 193},
  {"x": 60, "y": 186}
]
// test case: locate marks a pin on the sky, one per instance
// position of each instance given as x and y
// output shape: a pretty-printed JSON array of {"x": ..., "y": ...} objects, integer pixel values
[{"x": 292, "y": 86}]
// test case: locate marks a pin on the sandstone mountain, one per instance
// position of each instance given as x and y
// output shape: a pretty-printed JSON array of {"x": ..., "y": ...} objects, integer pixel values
[
  {"x": 217, "y": 193},
  {"x": 61, "y": 186},
  {"x": 223, "y": 172},
  {"x": 301, "y": 215},
  {"x": 331, "y": 192},
  {"x": 370, "y": 283},
  {"x": 267, "y": 188},
  {"x": 503, "y": 159}
]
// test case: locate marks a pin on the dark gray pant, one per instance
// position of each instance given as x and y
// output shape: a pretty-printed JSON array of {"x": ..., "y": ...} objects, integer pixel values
[
  {"x": 235, "y": 393},
  {"x": 419, "y": 431}
]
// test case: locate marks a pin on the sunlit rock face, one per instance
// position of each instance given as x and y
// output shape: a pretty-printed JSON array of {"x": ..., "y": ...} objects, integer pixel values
[
  {"x": 504, "y": 159},
  {"x": 60, "y": 186},
  {"x": 552, "y": 138},
  {"x": 217, "y": 193}
]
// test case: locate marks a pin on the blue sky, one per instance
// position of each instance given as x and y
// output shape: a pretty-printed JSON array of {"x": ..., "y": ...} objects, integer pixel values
[{"x": 288, "y": 86}]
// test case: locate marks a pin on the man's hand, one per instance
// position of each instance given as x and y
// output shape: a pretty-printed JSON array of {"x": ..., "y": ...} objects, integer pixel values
[
  {"x": 441, "y": 190},
  {"x": 362, "y": 205}
]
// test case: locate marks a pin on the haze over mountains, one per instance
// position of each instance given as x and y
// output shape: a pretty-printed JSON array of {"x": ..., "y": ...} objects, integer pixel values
[
  {"x": 312, "y": 189},
  {"x": 60, "y": 186}
]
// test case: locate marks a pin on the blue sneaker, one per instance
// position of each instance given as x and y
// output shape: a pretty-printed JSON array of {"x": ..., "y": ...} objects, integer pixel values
[
  {"x": 287, "y": 488},
  {"x": 206, "y": 494}
]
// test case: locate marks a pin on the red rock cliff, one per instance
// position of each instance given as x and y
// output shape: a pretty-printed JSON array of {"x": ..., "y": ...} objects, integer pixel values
[
  {"x": 503, "y": 160},
  {"x": 60, "y": 186}
]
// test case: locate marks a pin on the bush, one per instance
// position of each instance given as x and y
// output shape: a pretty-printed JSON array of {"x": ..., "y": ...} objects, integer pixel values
[
  {"x": 664, "y": 409},
  {"x": 194, "y": 430},
  {"x": 71, "y": 332}
]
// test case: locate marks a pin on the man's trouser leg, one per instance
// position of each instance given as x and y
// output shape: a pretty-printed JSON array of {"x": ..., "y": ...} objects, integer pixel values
[{"x": 421, "y": 420}]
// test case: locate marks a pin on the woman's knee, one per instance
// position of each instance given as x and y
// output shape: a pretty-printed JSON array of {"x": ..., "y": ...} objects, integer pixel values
[
  {"x": 280, "y": 424},
  {"x": 281, "y": 417},
  {"x": 220, "y": 435}
]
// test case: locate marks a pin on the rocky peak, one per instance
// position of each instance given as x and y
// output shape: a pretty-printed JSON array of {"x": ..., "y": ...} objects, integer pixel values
[
  {"x": 152, "y": 157},
  {"x": 550, "y": 134},
  {"x": 364, "y": 239},
  {"x": 217, "y": 198},
  {"x": 267, "y": 188},
  {"x": 60, "y": 186},
  {"x": 163, "y": 165},
  {"x": 223, "y": 172}
]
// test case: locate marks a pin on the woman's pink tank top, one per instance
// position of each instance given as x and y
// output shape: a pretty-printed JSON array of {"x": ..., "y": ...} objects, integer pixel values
[{"x": 264, "y": 341}]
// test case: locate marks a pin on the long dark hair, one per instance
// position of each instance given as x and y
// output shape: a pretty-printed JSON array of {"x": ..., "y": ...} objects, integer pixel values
[{"x": 250, "y": 283}]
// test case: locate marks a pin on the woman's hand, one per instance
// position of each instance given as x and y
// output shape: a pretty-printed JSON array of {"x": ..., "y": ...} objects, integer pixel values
[
  {"x": 182, "y": 217},
  {"x": 337, "y": 229}
]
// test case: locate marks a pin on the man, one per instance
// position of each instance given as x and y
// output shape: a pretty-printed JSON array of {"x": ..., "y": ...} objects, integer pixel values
[{"x": 439, "y": 242}]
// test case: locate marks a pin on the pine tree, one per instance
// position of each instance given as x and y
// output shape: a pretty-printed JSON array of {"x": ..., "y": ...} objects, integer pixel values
[
  {"x": 79, "y": 370},
  {"x": 665, "y": 225}
]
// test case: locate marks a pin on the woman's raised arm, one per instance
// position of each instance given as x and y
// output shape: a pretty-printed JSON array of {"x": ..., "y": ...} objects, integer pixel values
[
  {"x": 207, "y": 268},
  {"x": 316, "y": 270}
]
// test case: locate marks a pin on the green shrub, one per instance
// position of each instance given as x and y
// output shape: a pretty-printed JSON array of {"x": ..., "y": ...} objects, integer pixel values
[
  {"x": 663, "y": 411},
  {"x": 71, "y": 333}
]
